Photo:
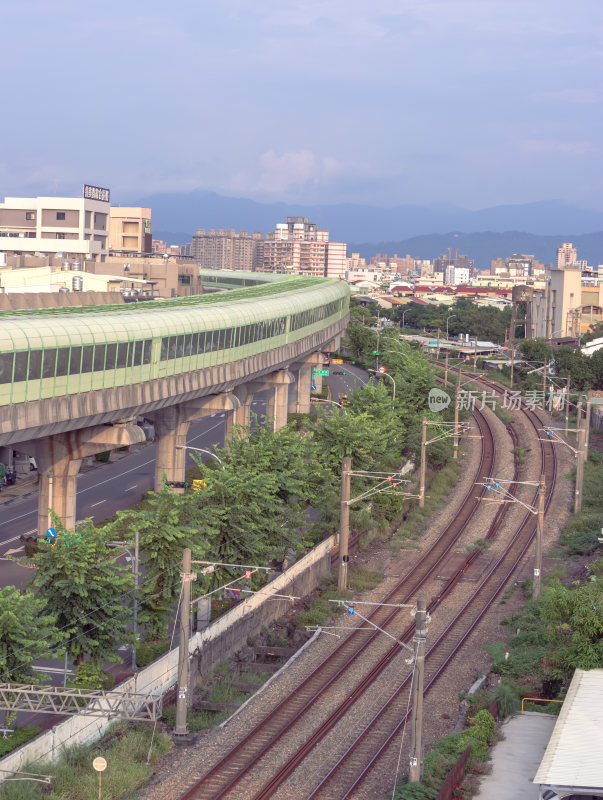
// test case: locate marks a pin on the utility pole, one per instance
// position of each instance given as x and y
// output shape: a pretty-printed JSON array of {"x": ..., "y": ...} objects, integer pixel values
[
  {"x": 135, "y": 604},
  {"x": 475, "y": 354},
  {"x": 344, "y": 524},
  {"x": 438, "y": 347},
  {"x": 423, "y": 462},
  {"x": 567, "y": 405},
  {"x": 181, "y": 728},
  {"x": 416, "y": 724},
  {"x": 455, "y": 440},
  {"x": 580, "y": 461},
  {"x": 587, "y": 424},
  {"x": 544, "y": 382},
  {"x": 539, "y": 534},
  {"x": 446, "y": 370},
  {"x": 512, "y": 363}
]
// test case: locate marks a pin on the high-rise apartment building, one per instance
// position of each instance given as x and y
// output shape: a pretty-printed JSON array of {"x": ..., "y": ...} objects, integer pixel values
[
  {"x": 75, "y": 227},
  {"x": 567, "y": 255},
  {"x": 461, "y": 261},
  {"x": 225, "y": 249},
  {"x": 298, "y": 246}
]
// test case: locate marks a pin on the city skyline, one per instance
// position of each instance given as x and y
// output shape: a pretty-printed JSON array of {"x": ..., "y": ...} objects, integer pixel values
[{"x": 471, "y": 103}]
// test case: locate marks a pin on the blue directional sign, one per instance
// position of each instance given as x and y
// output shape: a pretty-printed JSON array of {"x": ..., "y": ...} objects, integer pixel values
[
  {"x": 51, "y": 534},
  {"x": 313, "y": 387}
]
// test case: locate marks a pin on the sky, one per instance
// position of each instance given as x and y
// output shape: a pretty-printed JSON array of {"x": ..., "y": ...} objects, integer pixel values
[{"x": 473, "y": 103}]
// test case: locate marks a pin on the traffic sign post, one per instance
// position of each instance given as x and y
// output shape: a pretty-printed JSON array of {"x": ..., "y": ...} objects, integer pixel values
[
  {"x": 100, "y": 765},
  {"x": 381, "y": 370},
  {"x": 51, "y": 535}
]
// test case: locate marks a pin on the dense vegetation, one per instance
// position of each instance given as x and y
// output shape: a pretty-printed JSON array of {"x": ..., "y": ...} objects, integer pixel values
[{"x": 266, "y": 493}]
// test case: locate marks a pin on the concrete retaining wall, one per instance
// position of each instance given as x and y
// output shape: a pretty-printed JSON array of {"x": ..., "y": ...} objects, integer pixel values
[{"x": 218, "y": 641}]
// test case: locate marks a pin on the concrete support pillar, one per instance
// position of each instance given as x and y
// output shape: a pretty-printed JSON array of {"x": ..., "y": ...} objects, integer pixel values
[
  {"x": 59, "y": 458},
  {"x": 171, "y": 428},
  {"x": 300, "y": 401},
  {"x": 276, "y": 408},
  {"x": 242, "y": 415},
  {"x": 58, "y": 491}
]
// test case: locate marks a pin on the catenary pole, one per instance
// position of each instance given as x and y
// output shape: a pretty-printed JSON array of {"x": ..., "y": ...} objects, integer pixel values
[
  {"x": 344, "y": 523},
  {"x": 423, "y": 462},
  {"x": 579, "y": 461},
  {"x": 455, "y": 440},
  {"x": 181, "y": 727},
  {"x": 416, "y": 725},
  {"x": 539, "y": 535}
]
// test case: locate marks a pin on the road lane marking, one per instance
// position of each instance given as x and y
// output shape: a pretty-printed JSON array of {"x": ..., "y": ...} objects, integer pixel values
[
  {"x": 101, "y": 483},
  {"x": 97, "y": 504},
  {"x": 129, "y": 489}
]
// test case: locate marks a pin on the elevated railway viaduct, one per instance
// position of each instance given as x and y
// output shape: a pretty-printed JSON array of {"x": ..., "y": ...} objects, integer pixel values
[{"x": 74, "y": 380}]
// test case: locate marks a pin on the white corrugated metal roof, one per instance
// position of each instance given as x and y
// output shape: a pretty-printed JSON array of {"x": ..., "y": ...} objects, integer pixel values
[{"x": 573, "y": 754}]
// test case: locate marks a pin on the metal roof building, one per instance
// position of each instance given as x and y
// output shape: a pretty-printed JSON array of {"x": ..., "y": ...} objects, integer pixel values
[{"x": 572, "y": 766}]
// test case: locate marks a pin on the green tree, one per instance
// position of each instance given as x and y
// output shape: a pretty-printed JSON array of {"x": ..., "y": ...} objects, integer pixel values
[
  {"x": 167, "y": 524},
  {"x": 88, "y": 593},
  {"x": 576, "y": 619},
  {"x": 27, "y": 632}
]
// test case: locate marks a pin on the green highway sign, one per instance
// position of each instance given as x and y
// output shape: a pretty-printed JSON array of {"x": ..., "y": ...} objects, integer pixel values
[{"x": 321, "y": 372}]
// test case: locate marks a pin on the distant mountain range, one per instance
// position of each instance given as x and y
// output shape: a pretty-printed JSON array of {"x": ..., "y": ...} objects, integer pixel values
[
  {"x": 423, "y": 231},
  {"x": 483, "y": 247}
]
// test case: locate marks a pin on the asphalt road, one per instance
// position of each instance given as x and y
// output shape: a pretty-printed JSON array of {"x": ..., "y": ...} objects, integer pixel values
[{"x": 101, "y": 491}]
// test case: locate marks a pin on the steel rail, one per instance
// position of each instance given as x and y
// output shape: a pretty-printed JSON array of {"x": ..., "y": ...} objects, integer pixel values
[
  {"x": 549, "y": 467},
  {"x": 262, "y": 743}
]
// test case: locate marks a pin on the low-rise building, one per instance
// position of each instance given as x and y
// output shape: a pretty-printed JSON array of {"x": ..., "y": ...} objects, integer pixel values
[
  {"x": 130, "y": 230},
  {"x": 76, "y": 228}
]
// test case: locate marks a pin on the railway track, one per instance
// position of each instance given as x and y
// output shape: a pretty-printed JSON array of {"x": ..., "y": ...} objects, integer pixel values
[{"x": 224, "y": 779}]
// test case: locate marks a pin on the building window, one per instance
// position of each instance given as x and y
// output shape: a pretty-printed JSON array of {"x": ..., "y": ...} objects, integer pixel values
[
  {"x": 60, "y": 215},
  {"x": 60, "y": 235},
  {"x": 30, "y": 215}
]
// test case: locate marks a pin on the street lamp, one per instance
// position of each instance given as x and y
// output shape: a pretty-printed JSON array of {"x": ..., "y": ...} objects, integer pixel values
[
  {"x": 391, "y": 379},
  {"x": 450, "y": 316},
  {"x": 200, "y": 450}
]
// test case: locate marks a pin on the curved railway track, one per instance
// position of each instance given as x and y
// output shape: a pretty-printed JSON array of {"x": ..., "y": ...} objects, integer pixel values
[{"x": 222, "y": 780}]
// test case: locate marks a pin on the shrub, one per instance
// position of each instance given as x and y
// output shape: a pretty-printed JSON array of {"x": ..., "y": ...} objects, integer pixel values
[
  {"x": 507, "y": 699},
  {"x": 484, "y": 726},
  {"x": 16, "y": 739},
  {"x": 319, "y": 611},
  {"x": 147, "y": 652},
  {"x": 89, "y": 675}
]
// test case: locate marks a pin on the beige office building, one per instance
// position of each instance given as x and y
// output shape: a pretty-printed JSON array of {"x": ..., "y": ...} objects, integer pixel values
[
  {"x": 130, "y": 230},
  {"x": 568, "y": 305},
  {"x": 75, "y": 228}
]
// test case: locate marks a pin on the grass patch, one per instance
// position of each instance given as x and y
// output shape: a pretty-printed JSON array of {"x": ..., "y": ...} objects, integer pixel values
[
  {"x": 197, "y": 720},
  {"x": 360, "y": 579},
  {"x": 125, "y": 747},
  {"x": 16, "y": 739},
  {"x": 320, "y": 610},
  {"x": 580, "y": 534},
  {"x": 503, "y": 416},
  {"x": 520, "y": 453}
]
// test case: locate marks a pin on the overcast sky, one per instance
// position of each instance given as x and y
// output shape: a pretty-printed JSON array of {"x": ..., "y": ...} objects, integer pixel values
[{"x": 469, "y": 102}]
